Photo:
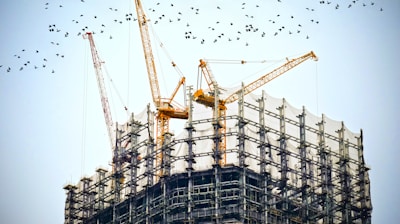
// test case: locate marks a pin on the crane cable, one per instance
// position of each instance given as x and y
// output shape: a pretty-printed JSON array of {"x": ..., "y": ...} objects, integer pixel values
[
  {"x": 160, "y": 64},
  {"x": 229, "y": 61},
  {"x": 115, "y": 89},
  {"x": 242, "y": 62},
  {"x": 233, "y": 61},
  {"x": 162, "y": 46},
  {"x": 261, "y": 70}
]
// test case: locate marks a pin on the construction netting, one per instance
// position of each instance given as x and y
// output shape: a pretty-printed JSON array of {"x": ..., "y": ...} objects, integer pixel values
[{"x": 277, "y": 117}]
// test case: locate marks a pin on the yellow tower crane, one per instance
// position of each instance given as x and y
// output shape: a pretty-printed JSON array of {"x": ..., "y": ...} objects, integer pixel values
[
  {"x": 166, "y": 107},
  {"x": 208, "y": 99}
]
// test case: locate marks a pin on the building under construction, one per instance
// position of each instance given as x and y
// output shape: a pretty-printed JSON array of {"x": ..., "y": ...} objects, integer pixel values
[
  {"x": 279, "y": 164},
  {"x": 245, "y": 159}
]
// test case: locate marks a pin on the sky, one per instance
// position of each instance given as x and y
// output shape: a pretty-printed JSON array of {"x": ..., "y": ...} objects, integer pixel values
[{"x": 52, "y": 125}]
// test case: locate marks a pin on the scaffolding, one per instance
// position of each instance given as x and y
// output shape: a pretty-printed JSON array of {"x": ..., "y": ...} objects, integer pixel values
[{"x": 284, "y": 165}]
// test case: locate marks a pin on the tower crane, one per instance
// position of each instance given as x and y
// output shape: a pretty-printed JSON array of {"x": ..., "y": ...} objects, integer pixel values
[
  {"x": 209, "y": 99},
  {"x": 166, "y": 107},
  {"x": 103, "y": 94}
]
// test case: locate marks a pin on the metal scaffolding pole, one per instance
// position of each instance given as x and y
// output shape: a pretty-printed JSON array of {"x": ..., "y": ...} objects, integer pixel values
[
  {"x": 133, "y": 167},
  {"x": 242, "y": 159},
  {"x": 118, "y": 175},
  {"x": 149, "y": 164},
  {"x": 263, "y": 160},
  {"x": 344, "y": 178},
  {"x": 283, "y": 163},
  {"x": 365, "y": 208},
  {"x": 217, "y": 158},
  {"x": 326, "y": 173},
  {"x": 166, "y": 171},
  {"x": 303, "y": 167},
  {"x": 190, "y": 158}
]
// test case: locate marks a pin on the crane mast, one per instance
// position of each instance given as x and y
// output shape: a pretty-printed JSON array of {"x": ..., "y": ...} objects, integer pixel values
[
  {"x": 209, "y": 99},
  {"x": 166, "y": 108},
  {"x": 148, "y": 53},
  {"x": 103, "y": 94}
]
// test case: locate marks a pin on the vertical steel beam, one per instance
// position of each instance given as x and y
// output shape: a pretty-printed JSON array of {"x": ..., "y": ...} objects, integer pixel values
[
  {"x": 303, "y": 167},
  {"x": 263, "y": 160},
  {"x": 133, "y": 166},
  {"x": 166, "y": 171},
  {"x": 190, "y": 158},
  {"x": 150, "y": 156},
  {"x": 326, "y": 172},
  {"x": 242, "y": 158},
  {"x": 118, "y": 175},
  {"x": 217, "y": 158},
  {"x": 283, "y": 163},
  {"x": 344, "y": 177},
  {"x": 363, "y": 184}
]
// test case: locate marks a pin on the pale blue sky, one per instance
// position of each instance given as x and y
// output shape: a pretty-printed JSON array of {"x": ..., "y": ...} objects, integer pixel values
[{"x": 46, "y": 141}]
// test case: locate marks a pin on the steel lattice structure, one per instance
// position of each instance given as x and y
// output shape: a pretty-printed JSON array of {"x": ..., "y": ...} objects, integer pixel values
[{"x": 284, "y": 165}]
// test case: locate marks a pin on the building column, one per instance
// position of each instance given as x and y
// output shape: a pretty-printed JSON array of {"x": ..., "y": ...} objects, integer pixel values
[
  {"x": 303, "y": 167},
  {"x": 283, "y": 163},
  {"x": 133, "y": 167},
  {"x": 345, "y": 178},
  {"x": 70, "y": 209},
  {"x": 263, "y": 159},
  {"x": 86, "y": 211},
  {"x": 242, "y": 159},
  {"x": 190, "y": 159},
  {"x": 150, "y": 155},
  {"x": 217, "y": 158},
  {"x": 326, "y": 173},
  {"x": 365, "y": 198}
]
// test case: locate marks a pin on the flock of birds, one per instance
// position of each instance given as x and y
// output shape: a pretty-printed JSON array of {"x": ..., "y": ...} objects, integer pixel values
[
  {"x": 258, "y": 23},
  {"x": 250, "y": 22}
]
